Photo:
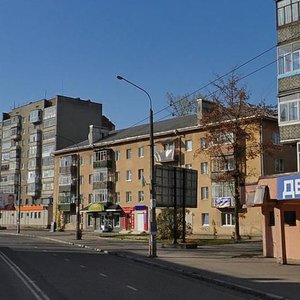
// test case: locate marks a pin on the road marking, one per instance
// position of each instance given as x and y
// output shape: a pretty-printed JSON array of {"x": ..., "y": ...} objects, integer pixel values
[
  {"x": 103, "y": 275},
  {"x": 54, "y": 254},
  {"x": 82, "y": 266},
  {"x": 131, "y": 287},
  {"x": 29, "y": 283},
  {"x": 67, "y": 259}
]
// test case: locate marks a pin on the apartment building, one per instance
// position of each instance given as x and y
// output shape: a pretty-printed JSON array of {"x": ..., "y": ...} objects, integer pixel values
[
  {"x": 115, "y": 178},
  {"x": 281, "y": 209},
  {"x": 31, "y": 133}
]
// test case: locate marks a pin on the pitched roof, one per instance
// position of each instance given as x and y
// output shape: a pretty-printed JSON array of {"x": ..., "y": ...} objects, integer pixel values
[{"x": 140, "y": 131}]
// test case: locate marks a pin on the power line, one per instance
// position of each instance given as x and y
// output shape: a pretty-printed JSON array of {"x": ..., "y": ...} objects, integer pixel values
[{"x": 212, "y": 82}]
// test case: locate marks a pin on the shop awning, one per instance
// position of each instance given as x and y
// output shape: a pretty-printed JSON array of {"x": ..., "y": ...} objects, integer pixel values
[
  {"x": 94, "y": 207},
  {"x": 114, "y": 207}
]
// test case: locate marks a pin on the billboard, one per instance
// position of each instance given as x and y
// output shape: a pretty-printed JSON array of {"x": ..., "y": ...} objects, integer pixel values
[
  {"x": 175, "y": 184},
  {"x": 7, "y": 201},
  {"x": 288, "y": 187}
]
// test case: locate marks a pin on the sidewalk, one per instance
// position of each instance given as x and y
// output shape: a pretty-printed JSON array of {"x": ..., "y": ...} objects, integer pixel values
[{"x": 238, "y": 266}]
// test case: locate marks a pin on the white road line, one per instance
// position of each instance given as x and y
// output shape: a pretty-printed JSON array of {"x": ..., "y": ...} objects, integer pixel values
[
  {"x": 103, "y": 275},
  {"x": 82, "y": 266},
  {"x": 131, "y": 287},
  {"x": 67, "y": 259},
  {"x": 54, "y": 254},
  {"x": 33, "y": 288}
]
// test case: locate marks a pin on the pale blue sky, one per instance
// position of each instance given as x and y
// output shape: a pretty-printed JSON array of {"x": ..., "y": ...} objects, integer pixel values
[{"x": 77, "y": 47}]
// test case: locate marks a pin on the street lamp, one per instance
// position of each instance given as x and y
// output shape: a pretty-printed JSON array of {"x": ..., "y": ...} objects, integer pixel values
[
  {"x": 78, "y": 233},
  {"x": 153, "y": 225}
]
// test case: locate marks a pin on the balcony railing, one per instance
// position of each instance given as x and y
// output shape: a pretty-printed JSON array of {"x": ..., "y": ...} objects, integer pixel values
[
  {"x": 103, "y": 185},
  {"x": 67, "y": 207},
  {"x": 67, "y": 188},
  {"x": 69, "y": 170},
  {"x": 103, "y": 164}
]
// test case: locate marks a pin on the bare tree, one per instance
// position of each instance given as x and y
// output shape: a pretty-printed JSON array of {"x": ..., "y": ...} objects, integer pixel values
[
  {"x": 182, "y": 105},
  {"x": 232, "y": 125}
]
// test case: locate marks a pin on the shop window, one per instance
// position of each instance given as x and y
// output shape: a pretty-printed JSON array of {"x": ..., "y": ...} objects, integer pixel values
[{"x": 290, "y": 218}]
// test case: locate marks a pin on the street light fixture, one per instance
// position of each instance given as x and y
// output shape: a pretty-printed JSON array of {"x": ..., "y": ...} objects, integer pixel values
[{"x": 153, "y": 225}]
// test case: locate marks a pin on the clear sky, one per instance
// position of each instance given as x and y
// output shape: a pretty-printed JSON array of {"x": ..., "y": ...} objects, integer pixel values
[{"x": 77, "y": 47}]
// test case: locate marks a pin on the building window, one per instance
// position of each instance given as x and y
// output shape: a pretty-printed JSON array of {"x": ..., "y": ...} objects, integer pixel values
[
  {"x": 289, "y": 111},
  {"x": 141, "y": 196},
  {"x": 222, "y": 189},
  {"x": 188, "y": 166},
  {"x": 128, "y": 197},
  {"x": 276, "y": 138},
  {"x": 81, "y": 160},
  {"x": 169, "y": 146},
  {"x": 222, "y": 164},
  {"x": 117, "y": 155},
  {"x": 128, "y": 153},
  {"x": 227, "y": 219},
  {"x": 203, "y": 143},
  {"x": 140, "y": 174},
  {"x": 279, "y": 165},
  {"x": 117, "y": 176},
  {"x": 100, "y": 175},
  {"x": 141, "y": 152},
  {"x": 189, "y": 145},
  {"x": 91, "y": 179},
  {"x": 128, "y": 175},
  {"x": 90, "y": 198},
  {"x": 204, "y": 193},
  {"x": 118, "y": 197},
  {"x": 205, "y": 219},
  {"x": 204, "y": 168},
  {"x": 101, "y": 155},
  {"x": 289, "y": 59},
  {"x": 290, "y": 218},
  {"x": 287, "y": 11},
  {"x": 81, "y": 179}
]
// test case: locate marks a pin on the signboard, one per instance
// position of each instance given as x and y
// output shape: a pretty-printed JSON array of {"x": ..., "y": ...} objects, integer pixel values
[
  {"x": 288, "y": 187},
  {"x": 7, "y": 201},
  {"x": 222, "y": 202},
  {"x": 176, "y": 182}
]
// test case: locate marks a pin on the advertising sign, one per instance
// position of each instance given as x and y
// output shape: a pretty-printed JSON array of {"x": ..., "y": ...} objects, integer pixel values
[
  {"x": 223, "y": 202},
  {"x": 175, "y": 184},
  {"x": 7, "y": 201},
  {"x": 288, "y": 187}
]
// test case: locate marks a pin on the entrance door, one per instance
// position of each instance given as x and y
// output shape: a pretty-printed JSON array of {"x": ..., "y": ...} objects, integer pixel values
[{"x": 140, "y": 222}]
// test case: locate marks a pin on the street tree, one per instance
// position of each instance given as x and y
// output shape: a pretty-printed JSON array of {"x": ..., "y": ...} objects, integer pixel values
[
  {"x": 231, "y": 124},
  {"x": 183, "y": 105}
]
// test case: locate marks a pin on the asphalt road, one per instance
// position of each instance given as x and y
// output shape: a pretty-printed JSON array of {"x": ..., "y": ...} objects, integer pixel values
[{"x": 32, "y": 268}]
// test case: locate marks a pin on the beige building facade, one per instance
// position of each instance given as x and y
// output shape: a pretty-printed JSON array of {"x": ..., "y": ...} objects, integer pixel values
[{"x": 115, "y": 178}]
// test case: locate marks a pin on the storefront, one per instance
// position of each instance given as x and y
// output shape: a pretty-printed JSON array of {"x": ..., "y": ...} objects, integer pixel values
[
  {"x": 135, "y": 218},
  {"x": 281, "y": 211},
  {"x": 103, "y": 218}
]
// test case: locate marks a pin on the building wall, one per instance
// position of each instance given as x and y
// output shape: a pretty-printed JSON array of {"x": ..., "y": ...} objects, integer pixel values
[
  {"x": 251, "y": 218},
  {"x": 68, "y": 125}
]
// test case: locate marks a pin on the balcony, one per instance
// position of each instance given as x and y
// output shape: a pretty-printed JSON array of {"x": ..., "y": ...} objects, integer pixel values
[
  {"x": 69, "y": 170},
  {"x": 165, "y": 156},
  {"x": 15, "y": 133},
  {"x": 71, "y": 188},
  {"x": 103, "y": 185},
  {"x": 103, "y": 164}
]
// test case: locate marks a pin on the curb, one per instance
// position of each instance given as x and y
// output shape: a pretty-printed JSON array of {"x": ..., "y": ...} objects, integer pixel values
[{"x": 195, "y": 275}]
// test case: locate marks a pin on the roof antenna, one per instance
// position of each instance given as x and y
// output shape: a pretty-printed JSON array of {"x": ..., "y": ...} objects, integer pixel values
[{"x": 45, "y": 94}]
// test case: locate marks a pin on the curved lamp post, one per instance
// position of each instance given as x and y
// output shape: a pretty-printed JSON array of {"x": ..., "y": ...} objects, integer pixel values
[{"x": 153, "y": 225}]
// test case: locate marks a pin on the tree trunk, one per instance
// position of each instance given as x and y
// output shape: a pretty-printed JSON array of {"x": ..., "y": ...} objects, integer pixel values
[{"x": 237, "y": 205}]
